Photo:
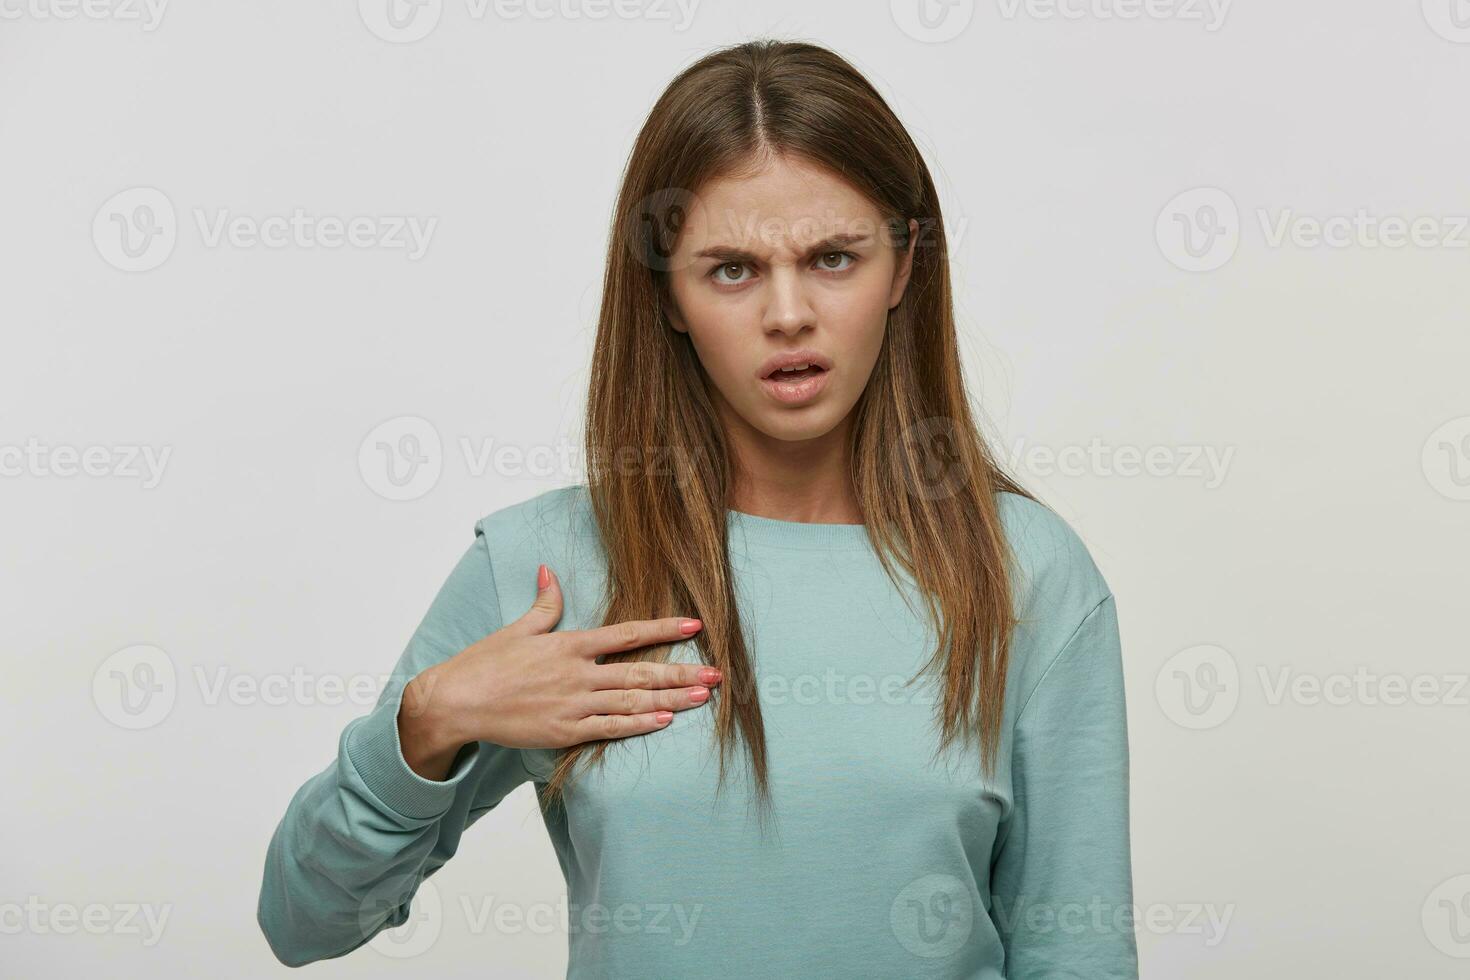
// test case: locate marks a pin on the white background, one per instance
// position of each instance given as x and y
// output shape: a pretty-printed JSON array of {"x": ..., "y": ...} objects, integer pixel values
[{"x": 1327, "y": 546}]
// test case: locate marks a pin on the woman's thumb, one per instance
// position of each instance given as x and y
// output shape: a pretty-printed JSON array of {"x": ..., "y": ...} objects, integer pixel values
[{"x": 545, "y": 612}]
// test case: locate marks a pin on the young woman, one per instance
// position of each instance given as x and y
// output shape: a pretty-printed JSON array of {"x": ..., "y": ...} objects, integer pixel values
[{"x": 793, "y": 557}]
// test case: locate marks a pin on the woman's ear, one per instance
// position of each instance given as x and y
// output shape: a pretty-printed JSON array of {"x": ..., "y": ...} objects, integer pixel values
[
  {"x": 905, "y": 266},
  {"x": 671, "y": 310}
]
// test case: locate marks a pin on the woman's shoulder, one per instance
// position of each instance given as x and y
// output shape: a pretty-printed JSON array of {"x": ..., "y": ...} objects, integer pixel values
[
  {"x": 541, "y": 521},
  {"x": 1056, "y": 587},
  {"x": 553, "y": 527},
  {"x": 1055, "y": 576}
]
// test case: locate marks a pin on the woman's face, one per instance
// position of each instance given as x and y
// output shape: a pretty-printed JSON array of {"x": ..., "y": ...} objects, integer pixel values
[{"x": 791, "y": 261}]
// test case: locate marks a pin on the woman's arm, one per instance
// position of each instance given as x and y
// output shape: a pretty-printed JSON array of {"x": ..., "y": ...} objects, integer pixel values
[
  {"x": 358, "y": 837},
  {"x": 1061, "y": 873}
]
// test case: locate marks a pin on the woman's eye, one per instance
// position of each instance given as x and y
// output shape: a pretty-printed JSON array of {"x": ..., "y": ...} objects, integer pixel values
[
  {"x": 730, "y": 272},
  {"x": 823, "y": 261},
  {"x": 716, "y": 272}
]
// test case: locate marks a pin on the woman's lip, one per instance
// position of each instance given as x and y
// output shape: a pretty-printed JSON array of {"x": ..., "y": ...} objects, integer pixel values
[
  {"x": 798, "y": 391},
  {"x": 787, "y": 358}
]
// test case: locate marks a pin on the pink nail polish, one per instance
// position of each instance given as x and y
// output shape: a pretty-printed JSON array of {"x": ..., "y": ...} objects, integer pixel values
[
  {"x": 687, "y": 626},
  {"x": 543, "y": 577}
]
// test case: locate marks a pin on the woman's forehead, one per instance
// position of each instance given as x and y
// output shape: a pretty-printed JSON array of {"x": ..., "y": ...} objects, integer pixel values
[{"x": 777, "y": 208}]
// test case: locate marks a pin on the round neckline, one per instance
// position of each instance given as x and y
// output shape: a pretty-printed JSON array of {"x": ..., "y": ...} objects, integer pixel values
[{"x": 795, "y": 534}]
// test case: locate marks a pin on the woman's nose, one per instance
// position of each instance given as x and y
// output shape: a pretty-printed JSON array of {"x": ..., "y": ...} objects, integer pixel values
[{"x": 788, "y": 308}]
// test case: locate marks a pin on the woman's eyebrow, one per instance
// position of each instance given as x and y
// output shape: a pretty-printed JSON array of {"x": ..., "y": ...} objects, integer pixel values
[{"x": 729, "y": 253}]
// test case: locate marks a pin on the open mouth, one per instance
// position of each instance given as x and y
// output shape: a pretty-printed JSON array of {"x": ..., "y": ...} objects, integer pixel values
[
  {"x": 796, "y": 373},
  {"x": 797, "y": 384}
]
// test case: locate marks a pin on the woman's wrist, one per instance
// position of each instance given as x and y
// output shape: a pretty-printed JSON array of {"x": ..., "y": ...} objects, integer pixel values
[{"x": 425, "y": 735}]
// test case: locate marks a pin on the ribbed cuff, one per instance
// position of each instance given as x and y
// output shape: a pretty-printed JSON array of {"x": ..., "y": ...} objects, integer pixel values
[{"x": 374, "y": 750}]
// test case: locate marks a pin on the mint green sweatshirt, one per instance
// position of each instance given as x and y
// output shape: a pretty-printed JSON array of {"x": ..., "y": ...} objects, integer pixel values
[{"x": 884, "y": 859}]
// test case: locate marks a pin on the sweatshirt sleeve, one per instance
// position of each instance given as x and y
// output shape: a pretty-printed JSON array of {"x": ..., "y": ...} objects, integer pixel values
[
  {"x": 358, "y": 838},
  {"x": 1061, "y": 872}
]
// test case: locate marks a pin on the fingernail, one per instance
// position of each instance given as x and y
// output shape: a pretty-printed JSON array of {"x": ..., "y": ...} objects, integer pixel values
[
  {"x": 664, "y": 717},
  {"x": 699, "y": 695},
  {"x": 687, "y": 626},
  {"x": 709, "y": 676},
  {"x": 543, "y": 577}
]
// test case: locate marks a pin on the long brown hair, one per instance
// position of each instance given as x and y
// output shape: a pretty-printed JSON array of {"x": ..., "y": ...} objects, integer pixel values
[{"x": 921, "y": 471}]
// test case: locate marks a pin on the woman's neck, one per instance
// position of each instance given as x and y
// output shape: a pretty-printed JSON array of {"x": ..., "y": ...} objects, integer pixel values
[{"x": 807, "y": 481}]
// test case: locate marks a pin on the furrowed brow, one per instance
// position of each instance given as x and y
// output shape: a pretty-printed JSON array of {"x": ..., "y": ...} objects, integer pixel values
[{"x": 729, "y": 253}]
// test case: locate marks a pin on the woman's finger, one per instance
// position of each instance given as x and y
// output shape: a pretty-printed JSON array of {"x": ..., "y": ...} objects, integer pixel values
[
  {"x": 649, "y": 675},
  {"x": 632, "y": 634},
  {"x": 620, "y": 726},
  {"x": 635, "y": 701}
]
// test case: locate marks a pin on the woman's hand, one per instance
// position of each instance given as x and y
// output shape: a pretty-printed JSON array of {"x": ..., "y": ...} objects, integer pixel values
[{"x": 524, "y": 686}]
